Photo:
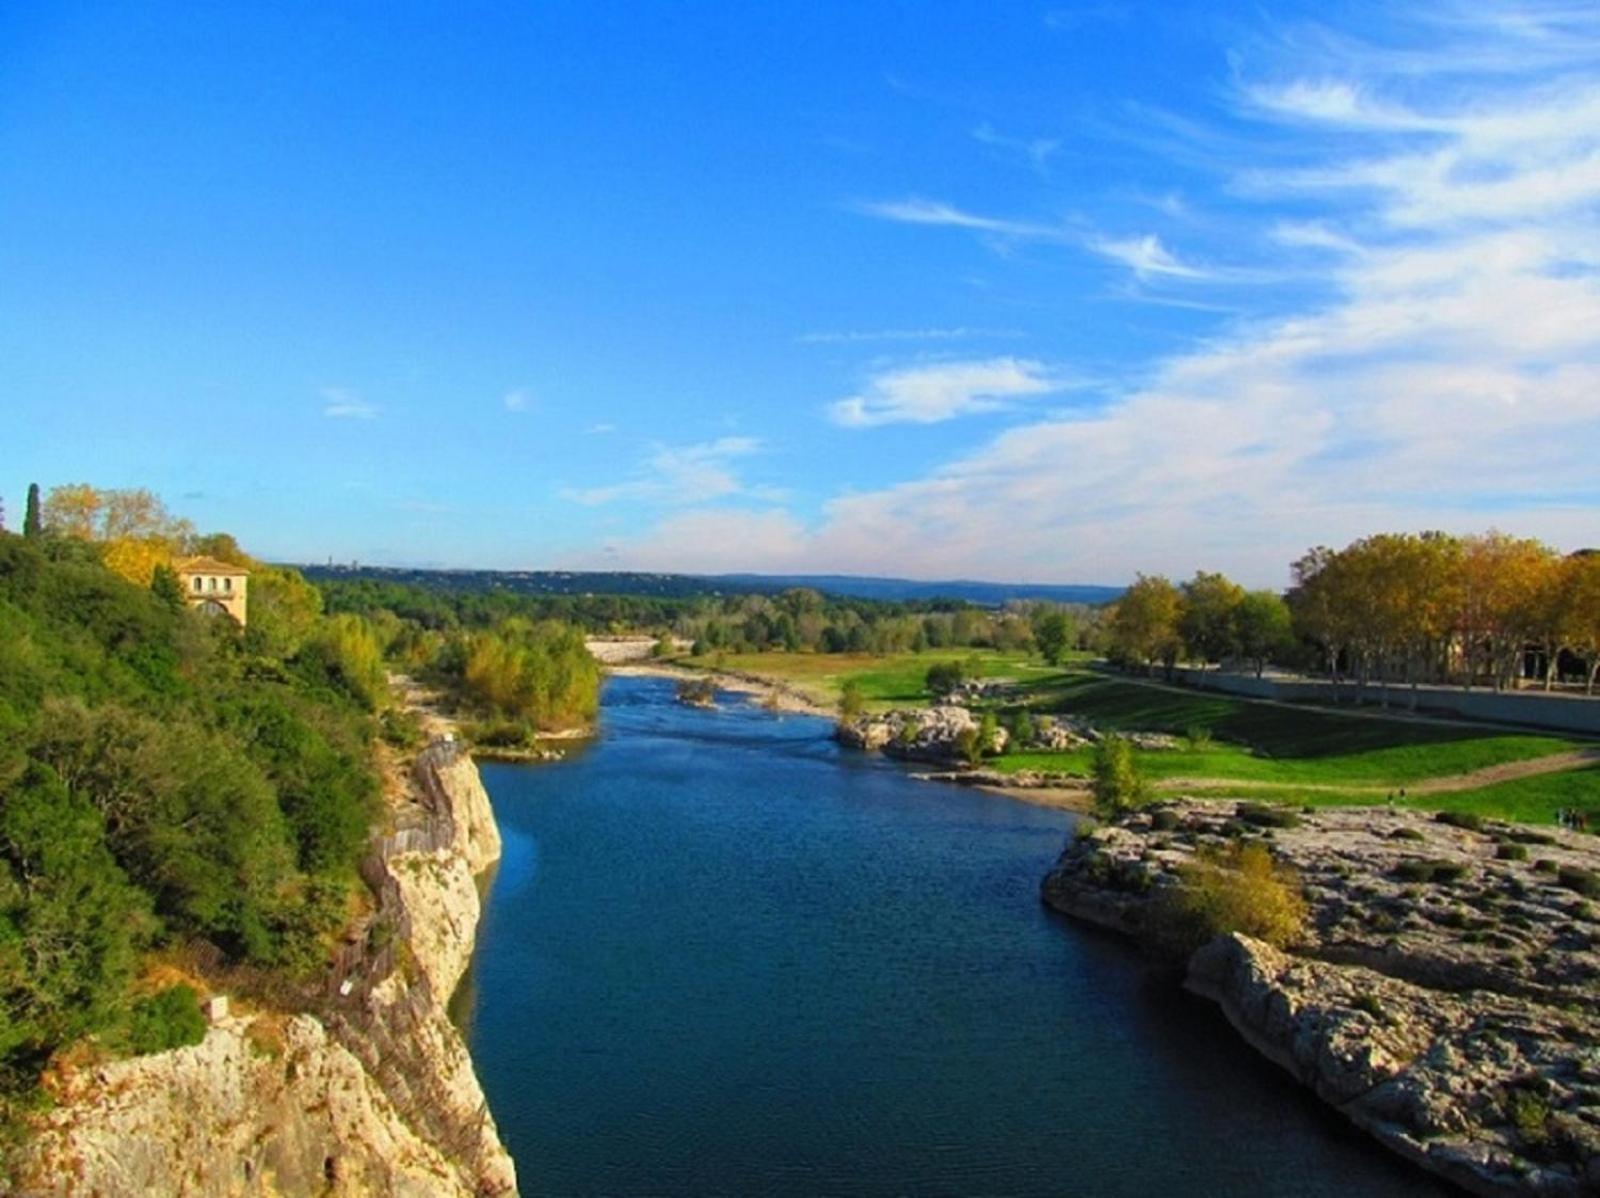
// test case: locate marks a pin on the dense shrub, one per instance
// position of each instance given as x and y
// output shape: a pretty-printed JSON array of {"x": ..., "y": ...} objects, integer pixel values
[
  {"x": 168, "y": 1019},
  {"x": 1469, "y": 820},
  {"x": 541, "y": 674},
  {"x": 943, "y": 677},
  {"x": 1264, "y": 815},
  {"x": 1235, "y": 889},
  {"x": 1585, "y": 881},
  {"x": 1430, "y": 871}
]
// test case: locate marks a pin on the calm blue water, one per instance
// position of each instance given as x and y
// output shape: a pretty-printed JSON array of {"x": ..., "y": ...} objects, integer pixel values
[{"x": 722, "y": 956}]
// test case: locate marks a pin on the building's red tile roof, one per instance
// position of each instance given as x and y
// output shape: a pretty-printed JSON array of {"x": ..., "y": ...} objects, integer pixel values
[{"x": 208, "y": 565}]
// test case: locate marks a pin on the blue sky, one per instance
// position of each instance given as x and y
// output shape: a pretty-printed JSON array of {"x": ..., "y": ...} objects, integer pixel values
[{"x": 1009, "y": 291}]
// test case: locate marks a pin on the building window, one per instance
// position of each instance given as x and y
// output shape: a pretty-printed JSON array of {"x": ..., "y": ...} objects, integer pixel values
[
  {"x": 227, "y": 584},
  {"x": 199, "y": 584},
  {"x": 213, "y": 584}
]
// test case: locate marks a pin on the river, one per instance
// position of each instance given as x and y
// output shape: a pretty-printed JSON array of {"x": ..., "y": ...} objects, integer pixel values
[{"x": 723, "y": 956}]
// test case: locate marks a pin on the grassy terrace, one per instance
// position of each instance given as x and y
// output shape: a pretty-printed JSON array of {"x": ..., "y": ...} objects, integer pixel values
[{"x": 1259, "y": 750}]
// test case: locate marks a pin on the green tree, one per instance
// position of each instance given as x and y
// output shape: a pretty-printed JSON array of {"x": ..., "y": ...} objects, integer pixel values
[
  {"x": 944, "y": 676},
  {"x": 165, "y": 586},
  {"x": 32, "y": 524},
  {"x": 1053, "y": 633},
  {"x": 1210, "y": 603},
  {"x": 70, "y": 923},
  {"x": 988, "y": 734},
  {"x": 1116, "y": 784},
  {"x": 1264, "y": 627}
]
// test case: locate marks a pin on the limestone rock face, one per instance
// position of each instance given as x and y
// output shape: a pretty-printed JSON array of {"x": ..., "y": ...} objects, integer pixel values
[
  {"x": 370, "y": 1091},
  {"x": 1454, "y": 1018}
]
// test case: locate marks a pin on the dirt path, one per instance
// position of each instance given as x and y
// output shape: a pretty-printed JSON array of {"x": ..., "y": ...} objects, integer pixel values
[{"x": 1555, "y": 763}]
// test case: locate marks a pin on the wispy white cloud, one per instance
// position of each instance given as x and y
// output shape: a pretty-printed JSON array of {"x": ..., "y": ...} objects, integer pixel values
[
  {"x": 679, "y": 475},
  {"x": 937, "y": 212},
  {"x": 941, "y": 391},
  {"x": 1146, "y": 257},
  {"x": 518, "y": 400},
  {"x": 597, "y": 430},
  {"x": 1445, "y": 375},
  {"x": 340, "y": 403}
]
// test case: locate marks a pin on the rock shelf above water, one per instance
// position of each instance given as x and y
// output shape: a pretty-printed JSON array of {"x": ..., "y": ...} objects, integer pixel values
[{"x": 1446, "y": 996}]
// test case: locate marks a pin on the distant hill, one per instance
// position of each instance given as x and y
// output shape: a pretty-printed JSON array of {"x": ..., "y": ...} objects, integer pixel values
[
  {"x": 990, "y": 594},
  {"x": 675, "y": 586}
]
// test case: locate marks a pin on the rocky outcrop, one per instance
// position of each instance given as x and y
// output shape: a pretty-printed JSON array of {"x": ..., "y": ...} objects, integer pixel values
[
  {"x": 928, "y": 734},
  {"x": 369, "y": 1090},
  {"x": 934, "y": 733},
  {"x": 1443, "y": 997}
]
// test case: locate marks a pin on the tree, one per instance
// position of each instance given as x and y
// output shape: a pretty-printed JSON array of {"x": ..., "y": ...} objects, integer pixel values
[
  {"x": 1145, "y": 623},
  {"x": 1053, "y": 633},
  {"x": 1582, "y": 617},
  {"x": 1502, "y": 581},
  {"x": 32, "y": 525},
  {"x": 1207, "y": 624},
  {"x": 944, "y": 676},
  {"x": 166, "y": 587},
  {"x": 73, "y": 510},
  {"x": 1117, "y": 784},
  {"x": 988, "y": 734},
  {"x": 1263, "y": 626}
]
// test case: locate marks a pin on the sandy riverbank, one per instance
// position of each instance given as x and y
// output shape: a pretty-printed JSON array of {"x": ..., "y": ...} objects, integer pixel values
[{"x": 776, "y": 696}]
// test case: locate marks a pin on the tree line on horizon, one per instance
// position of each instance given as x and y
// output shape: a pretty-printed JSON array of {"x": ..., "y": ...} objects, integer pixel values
[
  {"x": 797, "y": 620},
  {"x": 1393, "y": 608}
]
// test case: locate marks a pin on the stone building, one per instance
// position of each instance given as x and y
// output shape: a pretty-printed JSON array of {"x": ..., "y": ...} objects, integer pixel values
[{"x": 216, "y": 588}]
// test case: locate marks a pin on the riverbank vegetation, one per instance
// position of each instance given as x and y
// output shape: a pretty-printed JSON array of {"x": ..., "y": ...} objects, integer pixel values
[{"x": 169, "y": 785}]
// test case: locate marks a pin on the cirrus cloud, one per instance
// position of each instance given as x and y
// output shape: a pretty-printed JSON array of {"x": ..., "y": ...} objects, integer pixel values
[{"x": 942, "y": 391}]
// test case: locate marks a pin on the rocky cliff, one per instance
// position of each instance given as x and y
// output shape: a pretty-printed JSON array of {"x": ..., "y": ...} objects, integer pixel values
[
  {"x": 1443, "y": 996},
  {"x": 368, "y": 1091}
]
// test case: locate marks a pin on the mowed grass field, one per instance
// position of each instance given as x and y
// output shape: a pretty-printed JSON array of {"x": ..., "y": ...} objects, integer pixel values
[
  {"x": 1248, "y": 749},
  {"x": 894, "y": 680}
]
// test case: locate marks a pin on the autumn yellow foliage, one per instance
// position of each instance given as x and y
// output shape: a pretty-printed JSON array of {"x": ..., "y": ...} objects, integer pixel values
[{"x": 1235, "y": 889}]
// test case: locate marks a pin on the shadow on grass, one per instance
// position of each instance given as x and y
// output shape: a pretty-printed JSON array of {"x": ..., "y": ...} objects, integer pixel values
[{"x": 1271, "y": 731}]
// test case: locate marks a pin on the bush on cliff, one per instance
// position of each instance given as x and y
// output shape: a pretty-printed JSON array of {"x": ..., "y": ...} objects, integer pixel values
[
  {"x": 1235, "y": 889},
  {"x": 170, "y": 1018}
]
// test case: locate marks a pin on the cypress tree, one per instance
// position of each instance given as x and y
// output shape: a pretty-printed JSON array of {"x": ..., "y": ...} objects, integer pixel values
[
  {"x": 164, "y": 582},
  {"x": 31, "y": 524}
]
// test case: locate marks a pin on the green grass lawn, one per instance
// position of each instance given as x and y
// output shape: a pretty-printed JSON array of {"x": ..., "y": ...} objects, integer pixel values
[
  {"x": 894, "y": 680},
  {"x": 1258, "y": 750},
  {"x": 1530, "y": 800},
  {"x": 1391, "y": 766}
]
